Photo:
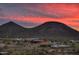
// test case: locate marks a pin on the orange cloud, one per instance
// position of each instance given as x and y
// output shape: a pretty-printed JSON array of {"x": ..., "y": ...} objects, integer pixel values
[
  {"x": 64, "y": 10},
  {"x": 65, "y": 13},
  {"x": 67, "y": 21}
]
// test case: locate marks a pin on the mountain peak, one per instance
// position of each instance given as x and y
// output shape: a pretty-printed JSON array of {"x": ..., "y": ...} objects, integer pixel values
[
  {"x": 11, "y": 25},
  {"x": 54, "y": 23},
  {"x": 10, "y": 22},
  {"x": 55, "y": 27}
]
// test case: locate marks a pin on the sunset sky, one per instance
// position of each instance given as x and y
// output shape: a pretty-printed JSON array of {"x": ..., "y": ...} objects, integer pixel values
[{"x": 31, "y": 15}]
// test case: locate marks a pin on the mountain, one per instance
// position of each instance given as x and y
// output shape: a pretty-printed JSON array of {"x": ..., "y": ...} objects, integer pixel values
[
  {"x": 12, "y": 29},
  {"x": 55, "y": 30}
]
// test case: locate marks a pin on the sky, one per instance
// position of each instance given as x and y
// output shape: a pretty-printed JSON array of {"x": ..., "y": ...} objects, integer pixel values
[{"x": 33, "y": 14}]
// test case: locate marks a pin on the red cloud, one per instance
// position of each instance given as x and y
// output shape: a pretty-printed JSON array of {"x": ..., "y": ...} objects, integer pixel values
[
  {"x": 68, "y": 21},
  {"x": 67, "y": 13},
  {"x": 63, "y": 10}
]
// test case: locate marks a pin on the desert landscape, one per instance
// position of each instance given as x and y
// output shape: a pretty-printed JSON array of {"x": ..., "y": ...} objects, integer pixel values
[{"x": 50, "y": 38}]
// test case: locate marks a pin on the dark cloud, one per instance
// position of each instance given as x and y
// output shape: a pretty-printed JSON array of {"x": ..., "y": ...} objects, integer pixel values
[
  {"x": 30, "y": 12},
  {"x": 1, "y": 12},
  {"x": 26, "y": 10},
  {"x": 19, "y": 4}
]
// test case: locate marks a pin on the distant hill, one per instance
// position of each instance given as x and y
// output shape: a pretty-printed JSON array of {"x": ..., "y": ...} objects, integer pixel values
[
  {"x": 12, "y": 29},
  {"x": 55, "y": 30}
]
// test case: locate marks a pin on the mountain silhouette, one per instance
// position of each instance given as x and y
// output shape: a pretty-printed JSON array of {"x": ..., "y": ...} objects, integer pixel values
[
  {"x": 11, "y": 25},
  {"x": 12, "y": 29},
  {"x": 55, "y": 30}
]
